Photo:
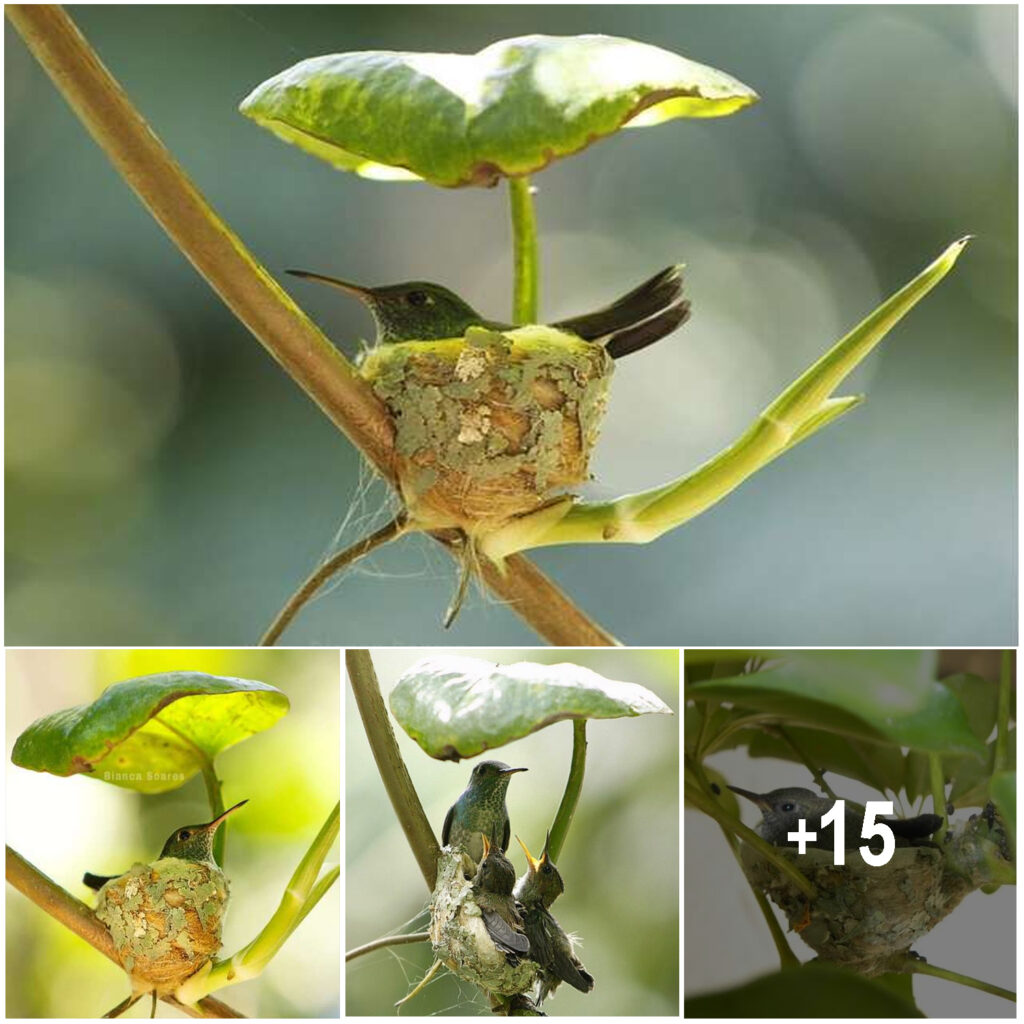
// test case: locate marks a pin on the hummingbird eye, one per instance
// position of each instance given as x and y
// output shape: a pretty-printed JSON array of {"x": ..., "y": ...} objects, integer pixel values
[
  {"x": 184, "y": 834},
  {"x": 787, "y": 806},
  {"x": 419, "y": 299}
]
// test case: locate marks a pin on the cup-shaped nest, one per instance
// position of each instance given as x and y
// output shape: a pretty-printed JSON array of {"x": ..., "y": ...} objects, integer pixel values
[
  {"x": 165, "y": 919},
  {"x": 460, "y": 939},
  {"x": 490, "y": 426},
  {"x": 863, "y": 917}
]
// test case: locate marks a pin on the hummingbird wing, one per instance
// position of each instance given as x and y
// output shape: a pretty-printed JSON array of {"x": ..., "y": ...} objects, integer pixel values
[
  {"x": 655, "y": 296},
  {"x": 446, "y": 828},
  {"x": 506, "y": 835},
  {"x": 552, "y": 948},
  {"x": 505, "y": 937},
  {"x": 97, "y": 881}
]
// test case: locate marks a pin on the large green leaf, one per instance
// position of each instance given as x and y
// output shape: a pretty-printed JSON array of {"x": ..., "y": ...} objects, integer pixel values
[
  {"x": 468, "y": 119},
  {"x": 884, "y": 697},
  {"x": 456, "y": 707},
  {"x": 816, "y": 990},
  {"x": 150, "y": 734}
]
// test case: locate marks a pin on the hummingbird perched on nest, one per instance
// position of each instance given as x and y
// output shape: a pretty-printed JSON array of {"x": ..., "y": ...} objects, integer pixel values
[
  {"x": 423, "y": 311},
  {"x": 549, "y": 945},
  {"x": 783, "y": 809},
  {"x": 492, "y": 889},
  {"x": 480, "y": 811}
]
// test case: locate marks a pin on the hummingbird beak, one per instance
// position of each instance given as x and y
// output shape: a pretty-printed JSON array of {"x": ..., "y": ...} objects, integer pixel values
[
  {"x": 512, "y": 771},
  {"x": 757, "y": 798},
  {"x": 530, "y": 860},
  {"x": 215, "y": 824},
  {"x": 487, "y": 845},
  {"x": 357, "y": 290},
  {"x": 544, "y": 853}
]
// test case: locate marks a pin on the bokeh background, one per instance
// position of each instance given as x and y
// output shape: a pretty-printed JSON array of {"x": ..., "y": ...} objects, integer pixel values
[
  {"x": 167, "y": 483},
  {"x": 727, "y": 942},
  {"x": 68, "y": 826},
  {"x": 620, "y": 862}
]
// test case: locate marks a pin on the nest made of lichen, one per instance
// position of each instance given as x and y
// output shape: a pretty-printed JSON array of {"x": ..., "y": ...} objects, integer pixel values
[
  {"x": 489, "y": 426},
  {"x": 863, "y": 917},
  {"x": 165, "y": 919},
  {"x": 460, "y": 939}
]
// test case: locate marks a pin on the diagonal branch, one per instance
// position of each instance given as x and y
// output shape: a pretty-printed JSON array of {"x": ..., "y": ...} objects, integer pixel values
[
  {"x": 75, "y": 915},
  {"x": 250, "y": 292}
]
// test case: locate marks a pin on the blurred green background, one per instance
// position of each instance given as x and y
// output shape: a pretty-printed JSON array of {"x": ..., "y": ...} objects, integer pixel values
[
  {"x": 68, "y": 826},
  {"x": 620, "y": 862},
  {"x": 167, "y": 483}
]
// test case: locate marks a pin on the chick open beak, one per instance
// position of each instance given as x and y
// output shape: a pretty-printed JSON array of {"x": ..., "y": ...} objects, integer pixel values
[{"x": 530, "y": 859}]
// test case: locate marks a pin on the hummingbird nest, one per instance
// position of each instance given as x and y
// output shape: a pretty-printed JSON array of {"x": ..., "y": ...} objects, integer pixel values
[
  {"x": 866, "y": 918},
  {"x": 459, "y": 937},
  {"x": 165, "y": 919},
  {"x": 489, "y": 425}
]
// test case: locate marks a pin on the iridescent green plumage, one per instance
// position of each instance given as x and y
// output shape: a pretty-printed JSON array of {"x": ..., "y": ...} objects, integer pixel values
[
  {"x": 549, "y": 945},
  {"x": 423, "y": 311},
  {"x": 480, "y": 809}
]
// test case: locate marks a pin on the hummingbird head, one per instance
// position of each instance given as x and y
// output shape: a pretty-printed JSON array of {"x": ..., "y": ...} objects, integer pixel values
[
  {"x": 410, "y": 311},
  {"x": 495, "y": 873},
  {"x": 195, "y": 842},
  {"x": 492, "y": 775},
  {"x": 783, "y": 806},
  {"x": 543, "y": 881}
]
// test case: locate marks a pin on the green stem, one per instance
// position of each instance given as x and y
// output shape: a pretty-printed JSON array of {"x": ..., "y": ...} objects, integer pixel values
[
  {"x": 938, "y": 788},
  {"x": 303, "y": 892},
  {"x": 799, "y": 412},
  {"x": 571, "y": 796},
  {"x": 393, "y": 772},
  {"x": 819, "y": 775},
  {"x": 1003, "y": 713},
  {"x": 388, "y": 940},
  {"x": 706, "y": 804},
  {"x": 922, "y": 967},
  {"x": 526, "y": 262}
]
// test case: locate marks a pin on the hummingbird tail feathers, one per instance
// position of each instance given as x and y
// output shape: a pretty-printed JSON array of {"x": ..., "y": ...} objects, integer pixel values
[
  {"x": 96, "y": 881},
  {"x": 635, "y": 338},
  {"x": 655, "y": 296}
]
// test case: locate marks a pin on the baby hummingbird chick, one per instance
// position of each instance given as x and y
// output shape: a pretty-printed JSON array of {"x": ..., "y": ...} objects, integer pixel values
[
  {"x": 492, "y": 889},
  {"x": 549, "y": 945}
]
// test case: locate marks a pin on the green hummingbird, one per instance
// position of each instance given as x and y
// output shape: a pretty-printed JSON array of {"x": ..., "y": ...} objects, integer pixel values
[
  {"x": 422, "y": 311},
  {"x": 549, "y": 945},
  {"x": 192, "y": 842},
  {"x": 782, "y": 810},
  {"x": 480, "y": 810},
  {"x": 492, "y": 890}
]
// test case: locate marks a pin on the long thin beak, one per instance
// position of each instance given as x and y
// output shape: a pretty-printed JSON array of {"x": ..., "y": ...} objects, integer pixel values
[
  {"x": 757, "y": 798},
  {"x": 512, "y": 771},
  {"x": 358, "y": 290},
  {"x": 215, "y": 824}
]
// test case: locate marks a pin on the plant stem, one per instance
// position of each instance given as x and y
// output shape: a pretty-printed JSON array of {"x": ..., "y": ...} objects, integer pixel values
[
  {"x": 922, "y": 967},
  {"x": 526, "y": 263},
  {"x": 938, "y": 789},
  {"x": 817, "y": 773},
  {"x": 711, "y": 808},
  {"x": 573, "y": 785},
  {"x": 216, "y": 798},
  {"x": 1003, "y": 712},
  {"x": 80, "y": 919},
  {"x": 306, "y": 355},
  {"x": 388, "y": 940},
  {"x": 393, "y": 772},
  {"x": 335, "y": 564}
]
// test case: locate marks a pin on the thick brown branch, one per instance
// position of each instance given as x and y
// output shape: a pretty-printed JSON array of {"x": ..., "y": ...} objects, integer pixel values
[
  {"x": 75, "y": 915},
  {"x": 393, "y": 772},
  {"x": 251, "y": 293}
]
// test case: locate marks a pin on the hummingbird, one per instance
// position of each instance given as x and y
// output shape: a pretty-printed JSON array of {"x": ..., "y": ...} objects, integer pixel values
[
  {"x": 422, "y": 311},
  {"x": 192, "y": 842},
  {"x": 782, "y": 809},
  {"x": 549, "y": 945},
  {"x": 492, "y": 889},
  {"x": 480, "y": 810}
]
